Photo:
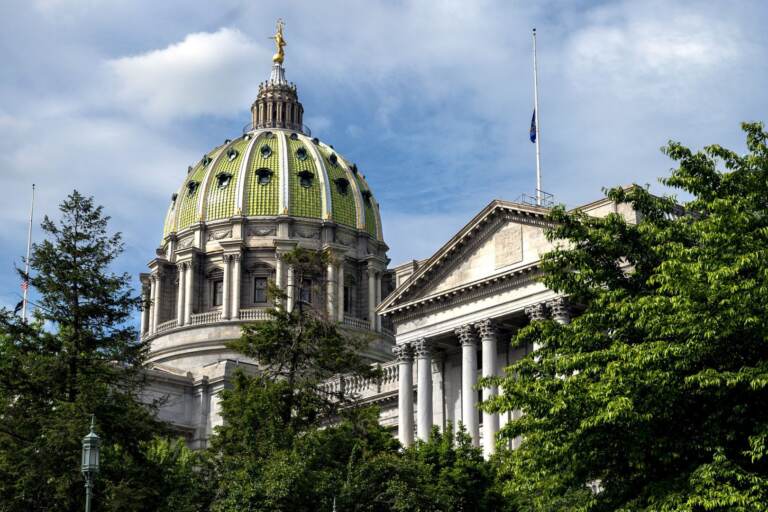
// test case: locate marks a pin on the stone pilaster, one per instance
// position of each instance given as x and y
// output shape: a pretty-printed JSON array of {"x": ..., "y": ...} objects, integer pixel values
[{"x": 180, "y": 295}]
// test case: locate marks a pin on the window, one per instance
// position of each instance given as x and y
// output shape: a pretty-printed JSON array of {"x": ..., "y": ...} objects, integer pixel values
[
  {"x": 334, "y": 160},
  {"x": 174, "y": 196},
  {"x": 266, "y": 151},
  {"x": 206, "y": 160},
  {"x": 367, "y": 196},
  {"x": 305, "y": 291},
  {"x": 260, "y": 290},
  {"x": 294, "y": 136},
  {"x": 264, "y": 176},
  {"x": 301, "y": 154},
  {"x": 192, "y": 188},
  {"x": 342, "y": 184},
  {"x": 232, "y": 154},
  {"x": 223, "y": 179},
  {"x": 305, "y": 179},
  {"x": 348, "y": 300},
  {"x": 315, "y": 141},
  {"x": 218, "y": 292}
]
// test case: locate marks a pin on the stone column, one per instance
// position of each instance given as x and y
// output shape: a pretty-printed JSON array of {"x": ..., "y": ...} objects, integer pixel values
[
  {"x": 404, "y": 357},
  {"x": 340, "y": 303},
  {"x": 535, "y": 313},
  {"x": 180, "y": 296},
  {"x": 423, "y": 350},
  {"x": 558, "y": 307},
  {"x": 290, "y": 289},
  {"x": 156, "y": 302},
  {"x": 225, "y": 303},
  {"x": 488, "y": 337},
  {"x": 378, "y": 299},
  {"x": 152, "y": 291},
  {"x": 236, "y": 273},
  {"x": 189, "y": 281},
  {"x": 145, "y": 308},
  {"x": 469, "y": 411},
  {"x": 330, "y": 291},
  {"x": 372, "y": 296}
]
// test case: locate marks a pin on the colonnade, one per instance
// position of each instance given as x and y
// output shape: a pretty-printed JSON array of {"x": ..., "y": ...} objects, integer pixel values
[
  {"x": 152, "y": 290},
  {"x": 482, "y": 334}
]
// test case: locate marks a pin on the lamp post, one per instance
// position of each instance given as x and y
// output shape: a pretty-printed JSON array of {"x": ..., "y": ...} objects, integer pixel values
[{"x": 90, "y": 463}]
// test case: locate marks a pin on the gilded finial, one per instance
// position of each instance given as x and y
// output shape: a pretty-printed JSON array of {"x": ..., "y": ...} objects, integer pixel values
[{"x": 279, "y": 42}]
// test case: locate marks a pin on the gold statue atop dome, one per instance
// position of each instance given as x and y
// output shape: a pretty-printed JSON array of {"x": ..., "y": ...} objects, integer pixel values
[{"x": 279, "y": 42}]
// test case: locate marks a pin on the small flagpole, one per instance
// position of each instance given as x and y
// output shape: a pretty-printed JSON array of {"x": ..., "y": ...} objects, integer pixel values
[
  {"x": 538, "y": 124},
  {"x": 26, "y": 261}
]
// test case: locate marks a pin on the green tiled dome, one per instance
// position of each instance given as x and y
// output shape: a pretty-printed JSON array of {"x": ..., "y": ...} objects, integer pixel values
[{"x": 271, "y": 172}]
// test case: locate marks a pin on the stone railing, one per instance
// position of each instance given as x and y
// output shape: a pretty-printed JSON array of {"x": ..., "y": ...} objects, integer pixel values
[
  {"x": 254, "y": 314},
  {"x": 205, "y": 318},
  {"x": 166, "y": 326},
  {"x": 357, "y": 323},
  {"x": 363, "y": 388}
]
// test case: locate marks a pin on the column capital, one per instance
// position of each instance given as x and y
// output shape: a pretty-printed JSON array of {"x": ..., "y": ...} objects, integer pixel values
[
  {"x": 486, "y": 328},
  {"x": 560, "y": 309},
  {"x": 423, "y": 347},
  {"x": 403, "y": 353},
  {"x": 536, "y": 312},
  {"x": 466, "y": 334}
]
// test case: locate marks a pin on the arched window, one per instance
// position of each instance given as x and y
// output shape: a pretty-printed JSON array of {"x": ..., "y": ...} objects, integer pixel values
[
  {"x": 305, "y": 179},
  {"x": 263, "y": 176}
]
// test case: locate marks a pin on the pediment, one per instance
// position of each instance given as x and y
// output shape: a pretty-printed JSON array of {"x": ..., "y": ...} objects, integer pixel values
[{"x": 502, "y": 238}]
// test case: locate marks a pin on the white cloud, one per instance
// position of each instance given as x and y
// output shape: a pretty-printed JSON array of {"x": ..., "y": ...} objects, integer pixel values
[{"x": 205, "y": 74}]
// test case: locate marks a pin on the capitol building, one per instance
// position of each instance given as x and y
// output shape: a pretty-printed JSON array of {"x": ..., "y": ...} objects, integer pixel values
[{"x": 435, "y": 326}]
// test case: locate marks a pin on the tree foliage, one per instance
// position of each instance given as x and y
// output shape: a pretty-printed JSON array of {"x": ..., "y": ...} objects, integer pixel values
[
  {"x": 78, "y": 356},
  {"x": 654, "y": 397}
]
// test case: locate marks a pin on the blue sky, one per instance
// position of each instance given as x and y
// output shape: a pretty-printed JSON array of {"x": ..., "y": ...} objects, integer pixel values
[{"x": 432, "y": 100}]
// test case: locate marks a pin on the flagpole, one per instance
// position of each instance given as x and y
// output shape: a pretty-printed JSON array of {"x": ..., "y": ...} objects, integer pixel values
[
  {"x": 26, "y": 261},
  {"x": 538, "y": 124}
]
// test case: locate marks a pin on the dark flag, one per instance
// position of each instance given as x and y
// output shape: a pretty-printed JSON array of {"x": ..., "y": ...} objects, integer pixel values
[
  {"x": 533, "y": 126},
  {"x": 18, "y": 307}
]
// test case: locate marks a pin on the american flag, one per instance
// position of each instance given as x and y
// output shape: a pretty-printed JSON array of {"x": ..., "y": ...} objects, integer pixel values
[{"x": 25, "y": 285}]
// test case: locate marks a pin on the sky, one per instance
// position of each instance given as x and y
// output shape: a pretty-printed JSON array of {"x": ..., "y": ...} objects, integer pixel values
[{"x": 431, "y": 99}]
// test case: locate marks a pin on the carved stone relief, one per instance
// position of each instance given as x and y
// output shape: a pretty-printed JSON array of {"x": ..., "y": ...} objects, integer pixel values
[
  {"x": 220, "y": 234},
  {"x": 508, "y": 243}
]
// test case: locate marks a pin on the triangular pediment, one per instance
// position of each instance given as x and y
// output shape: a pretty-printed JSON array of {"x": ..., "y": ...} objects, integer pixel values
[{"x": 500, "y": 239}]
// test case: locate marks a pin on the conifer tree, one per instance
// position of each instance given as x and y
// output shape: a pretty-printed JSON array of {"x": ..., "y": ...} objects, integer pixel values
[{"x": 78, "y": 356}]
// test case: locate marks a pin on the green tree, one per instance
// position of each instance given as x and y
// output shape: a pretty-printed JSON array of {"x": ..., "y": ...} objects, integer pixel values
[
  {"x": 655, "y": 397},
  {"x": 444, "y": 474},
  {"x": 272, "y": 414},
  {"x": 78, "y": 356}
]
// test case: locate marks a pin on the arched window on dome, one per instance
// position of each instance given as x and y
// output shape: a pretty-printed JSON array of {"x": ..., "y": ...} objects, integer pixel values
[
  {"x": 223, "y": 179},
  {"x": 192, "y": 188},
  {"x": 301, "y": 153},
  {"x": 266, "y": 151},
  {"x": 263, "y": 176},
  {"x": 342, "y": 185},
  {"x": 305, "y": 179}
]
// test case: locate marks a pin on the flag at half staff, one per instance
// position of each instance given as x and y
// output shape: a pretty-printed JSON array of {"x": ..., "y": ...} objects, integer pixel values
[{"x": 533, "y": 127}]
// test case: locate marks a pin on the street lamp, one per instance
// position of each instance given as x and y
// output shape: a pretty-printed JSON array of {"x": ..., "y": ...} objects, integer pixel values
[{"x": 90, "y": 463}]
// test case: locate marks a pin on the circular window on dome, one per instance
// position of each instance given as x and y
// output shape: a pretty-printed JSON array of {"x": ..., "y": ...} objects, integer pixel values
[
  {"x": 334, "y": 160},
  {"x": 305, "y": 179},
  {"x": 174, "y": 196},
  {"x": 294, "y": 136},
  {"x": 315, "y": 141},
  {"x": 232, "y": 154},
  {"x": 367, "y": 196},
  {"x": 192, "y": 188},
  {"x": 247, "y": 136},
  {"x": 223, "y": 179},
  {"x": 263, "y": 176},
  {"x": 189, "y": 169},
  {"x": 206, "y": 160},
  {"x": 342, "y": 184},
  {"x": 269, "y": 135},
  {"x": 266, "y": 151},
  {"x": 354, "y": 168},
  {"x": 301, "y": 154}
]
